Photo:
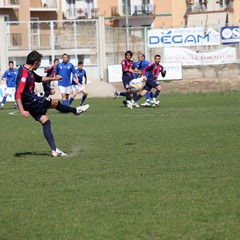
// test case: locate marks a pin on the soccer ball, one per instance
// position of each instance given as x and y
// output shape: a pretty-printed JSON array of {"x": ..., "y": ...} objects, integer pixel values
[{"x": 136, "y": 85}]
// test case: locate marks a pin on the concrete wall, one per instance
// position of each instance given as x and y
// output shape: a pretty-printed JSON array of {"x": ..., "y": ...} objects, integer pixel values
[{"x": 212, "y": 71}]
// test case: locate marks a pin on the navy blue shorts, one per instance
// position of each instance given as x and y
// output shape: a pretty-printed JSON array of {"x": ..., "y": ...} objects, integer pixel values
[
  {"x": 150, "y": 83},
  {"x": 38, "y": 107},
  {"x": 126, "y": 79}
]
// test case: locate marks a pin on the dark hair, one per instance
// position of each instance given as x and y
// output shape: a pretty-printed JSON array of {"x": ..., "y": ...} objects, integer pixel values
[
  {"x": 157, "y": 56},
  {"x": 141, "y": 54},
  {"x": 10, "y": 62},
  {"x": 65, "y": 54},
  {"x": 130, "y": 52},
  {"x": 80, "y": 62},
  {"x": 33, "y": 57},
  {"x": 56, "y": 59}
]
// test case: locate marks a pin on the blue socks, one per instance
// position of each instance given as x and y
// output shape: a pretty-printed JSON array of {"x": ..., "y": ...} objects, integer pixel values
[
  {"x": 148, "y": 96},
  {"x": 65, "y": 102},
  {"x": 4, "y": 100},
  {"x": 47, "y": 132},
  {"x": 84, "y": 98},
  {"x": 70, "y": 101}
]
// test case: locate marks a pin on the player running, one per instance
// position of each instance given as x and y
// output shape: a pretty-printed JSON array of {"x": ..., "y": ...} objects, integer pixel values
[
  {"x": 47, "y": 87},
  {"x": 10, "y": 77},
  {"x": 79, "y": 86},
  {"x": 151, "y": 73},
  {"x": 30, "y": 104},
  {"x": 65, "y": 69},
  {"x": 127, "y": 77}
]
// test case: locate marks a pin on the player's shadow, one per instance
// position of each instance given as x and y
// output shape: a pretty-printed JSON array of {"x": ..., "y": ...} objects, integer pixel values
[{"x": 22, "y": 154}]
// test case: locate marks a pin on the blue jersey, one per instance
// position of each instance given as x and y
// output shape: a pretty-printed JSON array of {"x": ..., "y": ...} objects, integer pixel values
[
  {"x": 140, "y": 66},
  {"x": 65, "y": 70},
  {"x": 81, "y": 73},
  {"x": 10, "y": 75}
]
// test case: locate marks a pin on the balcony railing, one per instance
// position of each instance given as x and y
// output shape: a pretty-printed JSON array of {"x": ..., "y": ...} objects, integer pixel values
[
  {"x": 133, "y": 10},
  {"x": 44, "y": 5},
  {"x": 8, "y": 3},
  {"x": 203, "y": 6},
  {"x": 82, "y": 13}
]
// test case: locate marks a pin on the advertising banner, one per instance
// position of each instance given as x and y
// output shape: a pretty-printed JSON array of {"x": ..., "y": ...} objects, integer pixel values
[
  {"x": 190, "y": 57},
  {"x": 230, "y": 35},
  {"x": 183, "y": 37}
]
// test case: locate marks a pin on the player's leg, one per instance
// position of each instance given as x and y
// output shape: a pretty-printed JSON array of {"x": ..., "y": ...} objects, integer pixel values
[
  {"x": 63, "y": 94},
  {"x": 158, "y": 90},
  {"x": 47, "y": 132},
  {"x": 84, "y": 91},
  {"x": 74, "y": 93},
  {"x": 148, "y": 99},
  {"x": 133, "y": 103},
  {"x": 4, "y": 100},
  {"x": 67, "y": 109}
]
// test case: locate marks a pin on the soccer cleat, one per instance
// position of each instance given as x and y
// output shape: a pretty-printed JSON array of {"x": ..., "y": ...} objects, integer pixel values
[
  {"x": 130, "y": 104},
  {"x": 155, "y": 102},
  {"x": 115, "y": 95},
  {"x": 81, "y": 109},
  {"x": 58, "y": 153},
  {"x": 146, "y": 104},
  {"x": 135, "y": 104}
]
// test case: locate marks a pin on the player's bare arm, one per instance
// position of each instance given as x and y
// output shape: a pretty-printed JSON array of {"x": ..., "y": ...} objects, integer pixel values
[
  {"x": 54, "y": 78},
  {"x": 25, "y": 114}
]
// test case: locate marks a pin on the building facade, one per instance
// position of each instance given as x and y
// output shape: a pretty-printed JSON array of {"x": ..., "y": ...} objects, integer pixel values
[
  {"x": 152, "y": 13},
  {"x": 212, "y": 12}
]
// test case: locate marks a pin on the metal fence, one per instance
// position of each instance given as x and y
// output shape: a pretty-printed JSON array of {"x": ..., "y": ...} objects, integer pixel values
[{"x": 80, "y": 39}]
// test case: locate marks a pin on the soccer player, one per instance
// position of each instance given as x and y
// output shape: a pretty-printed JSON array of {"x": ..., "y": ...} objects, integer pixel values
[
  {"x": 30, "y": 104},
  {"x": 47, "y": 87},
  {"x": 78, "y": 86},
  {"x": 65, "y": 69},
  {"x": 151, "y": 73},
  {"x": 127, "y": 76},
  {"x": 10, "y": 77}
]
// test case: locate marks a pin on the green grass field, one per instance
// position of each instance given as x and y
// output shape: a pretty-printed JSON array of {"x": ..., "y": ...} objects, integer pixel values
[{"x": 170, "y": 172}]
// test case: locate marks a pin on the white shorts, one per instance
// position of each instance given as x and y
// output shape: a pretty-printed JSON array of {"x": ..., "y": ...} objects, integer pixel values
[
  {"x": 10, "y": 90},
  {"x": 78, "y": 88},
  {"x": 65, "y": 90}
]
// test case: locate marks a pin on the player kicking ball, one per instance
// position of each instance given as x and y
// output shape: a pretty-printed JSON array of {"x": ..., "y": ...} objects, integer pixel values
[
  {"x": 152, "y": 71},
  {"x": 30, "y": 104}
]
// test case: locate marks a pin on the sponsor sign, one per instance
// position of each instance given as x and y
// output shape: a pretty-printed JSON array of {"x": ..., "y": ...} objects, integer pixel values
[
  {"x": 190, "y": 57},
  {"x": 183, "y": 37},
  {"x": 230, "y": 35},
  {"x": 174, "y": 72},
  {"x": 10, "y": 98}
]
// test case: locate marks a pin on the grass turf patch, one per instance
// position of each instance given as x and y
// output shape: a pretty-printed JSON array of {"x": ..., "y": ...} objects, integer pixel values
[{"x": 170, "y": 172}]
